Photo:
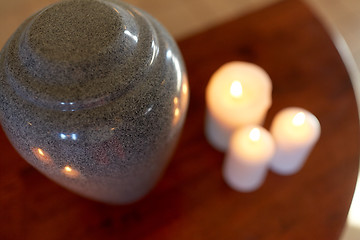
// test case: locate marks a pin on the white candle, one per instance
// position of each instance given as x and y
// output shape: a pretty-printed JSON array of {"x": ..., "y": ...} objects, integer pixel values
[
  {"x": 295, "y": 132},
  {"x": 238, "y": 94},
  {"x": 246, "y": 163}
]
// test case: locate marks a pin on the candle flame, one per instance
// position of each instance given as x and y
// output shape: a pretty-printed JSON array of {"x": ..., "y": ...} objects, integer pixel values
[
  {"x": 236, "y": 89},
  {"x": 177, "y": 112},
  {"x": 255, "y": 134},
  {"x": 41, "y": 155},
  {"x": 176, "y": 116},
  {"x": 299, "y": 119},
  {"x": 41, "y": 152},
  {"x": 176, "y": 100},
  {"x": 68, "y": 169},
  {"x": 70, "y": 172}
]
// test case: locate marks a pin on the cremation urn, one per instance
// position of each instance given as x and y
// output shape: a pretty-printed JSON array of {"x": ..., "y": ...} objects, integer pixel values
[{"x": 94, "y": 94}]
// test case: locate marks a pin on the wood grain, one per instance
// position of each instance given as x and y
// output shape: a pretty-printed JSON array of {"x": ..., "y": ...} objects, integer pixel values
[{"x": 192, "y": 201}]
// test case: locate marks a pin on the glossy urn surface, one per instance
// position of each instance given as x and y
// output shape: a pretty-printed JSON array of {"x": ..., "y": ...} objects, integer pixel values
[{"x": 94, "y": 94}]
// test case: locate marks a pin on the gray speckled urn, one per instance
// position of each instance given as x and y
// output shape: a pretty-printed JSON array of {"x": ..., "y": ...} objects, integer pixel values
[{"x": 94, "y": 94}]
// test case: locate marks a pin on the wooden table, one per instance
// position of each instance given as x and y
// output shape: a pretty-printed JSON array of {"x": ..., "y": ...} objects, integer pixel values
[{"x": 192, "y": 201}]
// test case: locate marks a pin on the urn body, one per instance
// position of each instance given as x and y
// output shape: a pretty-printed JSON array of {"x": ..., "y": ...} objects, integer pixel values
[{"x": 94, "y": 94}]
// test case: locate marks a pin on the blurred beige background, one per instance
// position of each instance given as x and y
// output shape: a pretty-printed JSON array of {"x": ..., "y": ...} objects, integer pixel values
[{"x": 186, "y": 17}]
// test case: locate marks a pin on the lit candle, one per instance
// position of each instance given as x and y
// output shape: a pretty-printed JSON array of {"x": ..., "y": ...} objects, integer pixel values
[
  {"x": 246, "y": 163},
  {"x": 238, "y": 94},
  {"x": 295, "y": 132}
]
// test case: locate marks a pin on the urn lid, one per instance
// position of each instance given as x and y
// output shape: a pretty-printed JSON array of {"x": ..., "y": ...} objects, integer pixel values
[{"x": 79, "y": 54}]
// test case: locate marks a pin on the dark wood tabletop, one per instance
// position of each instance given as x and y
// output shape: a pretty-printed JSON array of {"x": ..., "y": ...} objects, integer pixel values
[{"x": 192, "y": 201}]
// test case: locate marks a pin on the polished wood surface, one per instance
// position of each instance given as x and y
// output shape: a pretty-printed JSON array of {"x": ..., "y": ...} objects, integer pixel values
[{"x": 192, "y": 201}]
